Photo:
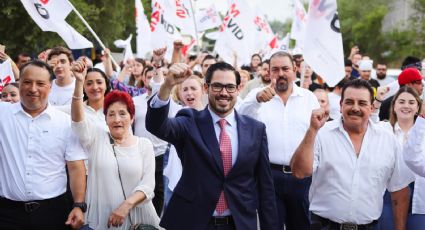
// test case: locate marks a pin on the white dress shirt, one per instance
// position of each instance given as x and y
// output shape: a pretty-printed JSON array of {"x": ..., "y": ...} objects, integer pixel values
[
  {"x": 286, "y": 125},
  {"x": 33, "y": 152},
  {"x": 347, "y": 188},
  {"x": 141, "y": 105},
  {"x": 414, "y": 157}
]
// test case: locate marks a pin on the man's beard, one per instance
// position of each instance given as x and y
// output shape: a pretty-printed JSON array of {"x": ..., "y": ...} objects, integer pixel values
[{"x": 380, "y": 77}]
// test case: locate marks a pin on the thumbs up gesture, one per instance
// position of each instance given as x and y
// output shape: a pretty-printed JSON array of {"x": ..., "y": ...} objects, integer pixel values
[{"x": 267, "y": 93}]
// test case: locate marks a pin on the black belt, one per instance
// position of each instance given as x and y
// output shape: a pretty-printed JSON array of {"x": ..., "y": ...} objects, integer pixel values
[
  {"x": 221, "y": 220},
  {"x": 282, "y": 168},
  {"x": 343, "y": 226},
  {"x": 29, "y": 206}
]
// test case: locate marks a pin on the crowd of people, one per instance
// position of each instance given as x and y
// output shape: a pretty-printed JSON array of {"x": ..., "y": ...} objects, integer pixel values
[{"x": 197, "y": 143}]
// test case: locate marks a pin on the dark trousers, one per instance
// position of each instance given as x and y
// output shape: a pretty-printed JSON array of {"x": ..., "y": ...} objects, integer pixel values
[
  {"x": 50, "y": 215},
  {"x": 292, "y": 201},
  {"x": 158, "y": 200},
  {"x": 320, "y": 223}
]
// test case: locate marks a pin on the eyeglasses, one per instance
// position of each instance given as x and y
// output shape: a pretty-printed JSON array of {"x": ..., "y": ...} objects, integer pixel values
[{"x": 217, "y": 87}]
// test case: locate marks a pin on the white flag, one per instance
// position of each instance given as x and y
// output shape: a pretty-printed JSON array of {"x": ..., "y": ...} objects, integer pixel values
[
  {"x": 207, "y": 18},
  {"x": 50, "y": 15},
  {"x": 6, "y": 73},
  {"x": 265, "y": 36},
  {"x": 126, "y": 45},
  {"x": 299, "y": 23},
  {"x": 238, "y": 34},
  {"x": 324, "y": 51},
  {"x": 143, "y": 38},
  {"x": 163, "y": 32},
  {"x": 184, "y": 18}
]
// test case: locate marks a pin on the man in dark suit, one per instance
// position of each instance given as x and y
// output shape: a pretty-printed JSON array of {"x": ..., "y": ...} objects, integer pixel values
[{"x": 226, "y": 177}]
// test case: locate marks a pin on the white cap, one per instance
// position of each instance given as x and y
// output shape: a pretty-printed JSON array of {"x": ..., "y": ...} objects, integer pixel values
[{"x": 366, "y": 65}]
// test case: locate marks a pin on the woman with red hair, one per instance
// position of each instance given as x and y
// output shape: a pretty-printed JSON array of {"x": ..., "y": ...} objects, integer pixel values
[{"x": 121, "y": 166}]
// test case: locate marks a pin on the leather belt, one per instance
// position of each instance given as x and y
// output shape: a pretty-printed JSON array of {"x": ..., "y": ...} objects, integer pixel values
[
  {"x": 282, "y": 168},
  {"x": 221, "y": 220},
  {"x": 343, "y": 226},
  {"x": 28, "y": 206}
]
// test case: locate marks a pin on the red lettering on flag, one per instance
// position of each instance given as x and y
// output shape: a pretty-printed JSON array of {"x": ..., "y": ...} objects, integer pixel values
[{"x": 44, "y": 1}]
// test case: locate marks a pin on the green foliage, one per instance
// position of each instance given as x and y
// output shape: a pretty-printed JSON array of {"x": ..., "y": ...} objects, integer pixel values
[{"x": 110, "y": 19}]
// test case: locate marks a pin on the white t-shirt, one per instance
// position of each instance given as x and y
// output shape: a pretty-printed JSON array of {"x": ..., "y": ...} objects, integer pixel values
[{"x": 61, "y": 95}]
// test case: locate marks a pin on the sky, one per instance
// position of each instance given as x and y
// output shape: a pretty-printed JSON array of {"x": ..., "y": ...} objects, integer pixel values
[{"x": 273, "y": 9}]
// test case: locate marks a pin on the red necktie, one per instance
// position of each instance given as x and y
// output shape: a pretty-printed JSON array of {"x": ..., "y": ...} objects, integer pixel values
[{"x": 226, "y": 156}]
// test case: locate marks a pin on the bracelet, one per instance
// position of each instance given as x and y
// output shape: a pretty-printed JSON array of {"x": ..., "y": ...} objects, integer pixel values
[
  {"x": 77, "y": 98},
  {"x": 376, "y": 99}
]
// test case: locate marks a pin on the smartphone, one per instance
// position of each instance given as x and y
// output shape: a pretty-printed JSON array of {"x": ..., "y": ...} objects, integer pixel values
[{"x": 2, "y": 48}]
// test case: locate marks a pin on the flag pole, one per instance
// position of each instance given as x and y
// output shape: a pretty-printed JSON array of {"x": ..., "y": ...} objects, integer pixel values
[
  {"x": 196, "y": 27},
  {"x": 93, "y": 33}
]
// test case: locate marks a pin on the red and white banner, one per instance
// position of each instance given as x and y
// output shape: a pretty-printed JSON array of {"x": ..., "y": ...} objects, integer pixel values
[
  {"x": 324, "y": 51},
  {"x": 6, "y": 73},
  {"x": 299, "y": 23},
  {"x": 238, "y": 34},
  {"x": 266, "y": 37},
  {"x": 143, "y": 38},
  {"x": 184, "y": 18},
  {"x": 50, "y": 15},
  {"x": 207, "y": 18},
  {"x": 164, "y": 33}
]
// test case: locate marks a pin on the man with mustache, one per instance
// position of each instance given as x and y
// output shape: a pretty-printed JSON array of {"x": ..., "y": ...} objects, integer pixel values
[
  {"x": 353, "y": 161},
  {"x": 285, "y": 109}
]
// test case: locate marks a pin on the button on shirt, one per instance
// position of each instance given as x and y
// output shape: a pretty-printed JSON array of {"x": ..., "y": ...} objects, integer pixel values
[
  {"x": 347, "y": 188},
  {"x": 286, "y": 125},
  {"x": 33, "y": 152}
]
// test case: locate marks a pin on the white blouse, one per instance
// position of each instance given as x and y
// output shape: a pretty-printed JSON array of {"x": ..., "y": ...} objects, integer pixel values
[{"x": 104, "y": 192}]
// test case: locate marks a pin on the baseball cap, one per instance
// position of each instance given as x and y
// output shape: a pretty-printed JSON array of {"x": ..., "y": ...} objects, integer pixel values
[{"x": 409, "y": 75}]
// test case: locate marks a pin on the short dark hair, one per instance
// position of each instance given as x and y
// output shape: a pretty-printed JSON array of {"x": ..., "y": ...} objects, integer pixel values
[
  {"x": 348, "y": 63},
  {"x": 58, "y": 50},
  {"x": 16, "y": 59},
  {"x": 358, "y": 84},
  {"x": 208, "y": 57},
  {"x": 40, "y": 64},
  {"x": 223, "y": 66},
  {"x": 283, "y": 54},
  {"x": 411, "y": 61},
  {"x": 267, "y": 61}
]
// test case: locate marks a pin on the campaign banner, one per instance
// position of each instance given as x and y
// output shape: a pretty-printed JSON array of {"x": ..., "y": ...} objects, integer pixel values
[
  {"x": 324, "y": 51},
  {"x": 6, "y": 73},
  {"x": 50, "y": 15}
]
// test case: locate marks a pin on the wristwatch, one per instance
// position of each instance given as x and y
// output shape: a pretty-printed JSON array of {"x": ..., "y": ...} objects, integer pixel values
[{"x": 81, "y": 205}]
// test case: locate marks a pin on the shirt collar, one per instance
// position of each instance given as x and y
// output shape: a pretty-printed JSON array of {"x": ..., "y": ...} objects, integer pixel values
[
  {"x": 17, "y": 107},
  {"x": 231, "y": 119},
  {"x": 337, "y": 124}
]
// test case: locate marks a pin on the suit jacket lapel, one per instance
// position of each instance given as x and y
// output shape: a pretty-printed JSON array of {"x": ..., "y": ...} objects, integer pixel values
[{"x": 206, "y": 128}]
